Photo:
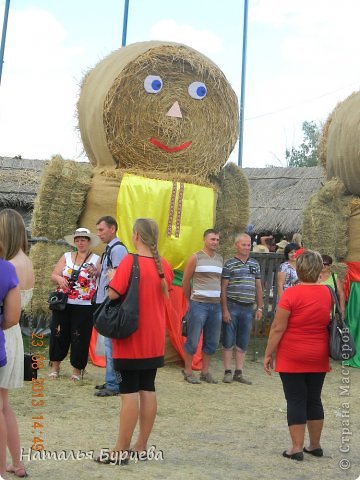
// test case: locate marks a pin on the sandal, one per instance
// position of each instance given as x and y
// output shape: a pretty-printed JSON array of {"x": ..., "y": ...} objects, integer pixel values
[
  {"x": 190, "y": 378},
  {"x": 139, "y": 455},
  {"x": 17, "y": 471},
  {"x": 75, "y": 378},
  {"x": 107, "y": 459},
  {"x": 54, "y": 374}
]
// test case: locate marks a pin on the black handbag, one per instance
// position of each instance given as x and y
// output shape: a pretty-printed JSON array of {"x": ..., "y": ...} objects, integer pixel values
[
  {"x": 341, "y": 344},
  {"x": 57, "y": 301},
  {"x": 29, "y": 371},
  {"x": 119, "y": 318}
]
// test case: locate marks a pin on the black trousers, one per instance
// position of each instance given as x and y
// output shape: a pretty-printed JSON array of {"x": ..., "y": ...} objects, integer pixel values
[
  {"x": 72, "y": 327},
  {"x": 303, "y": 396}
]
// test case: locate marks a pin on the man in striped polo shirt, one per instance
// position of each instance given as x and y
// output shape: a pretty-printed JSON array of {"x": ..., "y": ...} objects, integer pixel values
[
  {"x": 204, "y": 268},
  {"x": 240, "y": 289}
]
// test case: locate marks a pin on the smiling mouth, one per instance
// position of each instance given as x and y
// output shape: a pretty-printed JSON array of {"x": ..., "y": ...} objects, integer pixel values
[{"x": 158, "y": 144}]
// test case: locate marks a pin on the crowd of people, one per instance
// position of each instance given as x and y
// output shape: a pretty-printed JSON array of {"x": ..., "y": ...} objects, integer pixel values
[{"x": 224, "y": 299}]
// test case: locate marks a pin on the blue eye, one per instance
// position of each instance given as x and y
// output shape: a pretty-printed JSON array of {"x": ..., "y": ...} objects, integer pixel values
[
  {"x": 153, "y": 84},
  {"x": 197, "y": 90}
]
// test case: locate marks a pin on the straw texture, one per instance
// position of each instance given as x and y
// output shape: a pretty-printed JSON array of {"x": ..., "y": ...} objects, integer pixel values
[
  {"x": 342, "y": 137},
  {"x": 117, "y": 117},
  {"x": 60, "y": 200},
  {"x": 325, "y": 220},
  {"x": 232, "y": 210}
]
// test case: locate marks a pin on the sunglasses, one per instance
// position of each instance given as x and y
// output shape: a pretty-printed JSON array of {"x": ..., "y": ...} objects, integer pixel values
[{"x": 326, "y": 264}]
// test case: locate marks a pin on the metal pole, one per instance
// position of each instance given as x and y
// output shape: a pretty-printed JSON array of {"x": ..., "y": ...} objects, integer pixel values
[
  {"x": 125, "y": 21},
  {"x": 243, "y": 71},
  {"x": 3, "y": 36}
]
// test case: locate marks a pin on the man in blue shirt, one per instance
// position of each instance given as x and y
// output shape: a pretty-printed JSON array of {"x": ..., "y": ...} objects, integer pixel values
[{"x": 106, "y": 228}]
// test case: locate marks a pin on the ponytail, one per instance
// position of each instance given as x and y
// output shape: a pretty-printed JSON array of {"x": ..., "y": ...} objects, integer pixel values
[{"x": 149, "y": 233}]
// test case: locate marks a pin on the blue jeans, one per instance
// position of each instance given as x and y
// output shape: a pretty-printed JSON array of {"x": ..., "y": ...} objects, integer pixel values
[
  {"x": 206, "y": 318},
  {"x": 238, "y": 331},
  {"x": 110, "y": 375}
]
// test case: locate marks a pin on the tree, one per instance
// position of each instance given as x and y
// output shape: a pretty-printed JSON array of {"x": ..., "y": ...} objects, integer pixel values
[{"x": 306, "y": 155}]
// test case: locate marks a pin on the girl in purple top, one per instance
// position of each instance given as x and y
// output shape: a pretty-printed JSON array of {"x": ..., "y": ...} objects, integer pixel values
[{"x": 10, "y": 314}]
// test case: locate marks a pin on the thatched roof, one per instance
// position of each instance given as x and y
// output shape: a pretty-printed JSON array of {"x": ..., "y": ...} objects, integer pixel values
[
  {"x": 19, "y": 181},
  {"x": 278, "y": 196}
]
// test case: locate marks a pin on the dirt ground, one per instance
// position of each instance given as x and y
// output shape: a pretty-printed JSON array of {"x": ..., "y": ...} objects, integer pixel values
[{"x": 229, "y": 431}]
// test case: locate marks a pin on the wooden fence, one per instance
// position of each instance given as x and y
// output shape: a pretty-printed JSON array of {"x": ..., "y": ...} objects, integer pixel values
[{"x": 269, "y": 265}]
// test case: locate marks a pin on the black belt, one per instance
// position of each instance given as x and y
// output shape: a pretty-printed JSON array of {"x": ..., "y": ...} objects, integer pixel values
[{"x": 243, "y": 304}]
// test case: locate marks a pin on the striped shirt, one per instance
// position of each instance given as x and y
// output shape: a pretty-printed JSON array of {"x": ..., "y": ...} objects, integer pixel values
[
  {"x": 206, "y": 286},
  {"x": 241, "y": 276}
]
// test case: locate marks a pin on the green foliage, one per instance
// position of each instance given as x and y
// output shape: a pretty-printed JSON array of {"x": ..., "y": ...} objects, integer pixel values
[{"x": 306, "y": 155}]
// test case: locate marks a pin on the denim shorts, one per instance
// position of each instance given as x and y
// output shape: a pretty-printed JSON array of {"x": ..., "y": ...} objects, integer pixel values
[
  {"x": 238, "y": 331},
  {"x": 206, "y": 318}
]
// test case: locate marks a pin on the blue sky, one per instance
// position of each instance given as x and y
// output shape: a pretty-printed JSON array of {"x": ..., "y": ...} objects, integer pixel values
[{"x": 303, "y": 57}]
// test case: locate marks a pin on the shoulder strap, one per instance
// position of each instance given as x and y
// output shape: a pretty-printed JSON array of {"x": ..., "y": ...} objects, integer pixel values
[
  {"x": 335, "y": 302},
  {"x": 108, "y": 253},
  {"x": 334, "y": 282}
]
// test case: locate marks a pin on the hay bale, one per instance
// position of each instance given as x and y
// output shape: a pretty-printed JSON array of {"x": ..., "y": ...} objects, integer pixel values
[
  {"x": 353, "y": 254},
  {"x": 60, "y": 198},
  {"x": 232, "y": 210},
  {"x": 57, "y": 207},
  {"x": 44, "y": 257},
  {"x": 117, "y": 117},
  {"x": 342, "y": 143},
  {"x": 325, "y": 220}
]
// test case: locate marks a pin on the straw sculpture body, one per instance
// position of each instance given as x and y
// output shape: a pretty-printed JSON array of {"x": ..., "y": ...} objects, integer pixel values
[
  {"x": 158, "y": 122},
  {"x": 331, "y": 220}
]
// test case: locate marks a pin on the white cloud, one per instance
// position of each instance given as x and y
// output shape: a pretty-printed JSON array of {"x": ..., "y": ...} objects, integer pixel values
[
  {"x": 201, "y": 39},
  {"x": 35, "y": 120}
]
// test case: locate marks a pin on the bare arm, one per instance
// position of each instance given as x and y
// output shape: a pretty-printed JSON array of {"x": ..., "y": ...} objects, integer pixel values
[
  {"x": 259, "y": 299},
  {"x": 225, "y": 311},
  {"x": 280, "y": 283},
  {"x": 56, "y": 275},
  {"x": 341, "y": 295},
  {"x": 112, "y": 294},
  {"x": 12, "y": 308},
  {"x": 277, "y": 330},
  {"x": 188, "y": 274}
]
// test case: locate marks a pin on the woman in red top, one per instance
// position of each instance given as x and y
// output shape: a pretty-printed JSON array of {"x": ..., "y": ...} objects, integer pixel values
[
  {"x": 137, "y": 357},
  {"x": 300, "y": 337}
]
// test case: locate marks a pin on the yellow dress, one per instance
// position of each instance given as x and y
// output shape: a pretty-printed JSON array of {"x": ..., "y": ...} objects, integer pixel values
[{"x": 183, "y": 212}]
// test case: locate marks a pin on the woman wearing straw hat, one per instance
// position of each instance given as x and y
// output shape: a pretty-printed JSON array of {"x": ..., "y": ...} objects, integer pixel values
[{"x": 75, "y": 274}]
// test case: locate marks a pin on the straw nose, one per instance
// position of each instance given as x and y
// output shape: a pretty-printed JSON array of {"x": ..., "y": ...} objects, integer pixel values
[{"x": 174, "y": 111}]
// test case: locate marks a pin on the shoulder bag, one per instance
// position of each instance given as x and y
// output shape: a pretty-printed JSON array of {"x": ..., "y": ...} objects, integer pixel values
[
  {"x": 119, "y": 318},
  {"x": 58, "y": 300},
  {"x": 341, "y": 344}
]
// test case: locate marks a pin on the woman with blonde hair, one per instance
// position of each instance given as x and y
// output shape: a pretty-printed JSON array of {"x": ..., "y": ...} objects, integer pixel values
[
  {"x": 138, "y": 357},
  {"x": 13, "y": 238},
  {"x": 299, "y": 336}
]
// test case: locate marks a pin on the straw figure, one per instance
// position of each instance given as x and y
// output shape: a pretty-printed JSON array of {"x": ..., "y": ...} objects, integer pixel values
[
  {"x": 158, "y": 122},
  {"x": 331, "y": 221}
]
